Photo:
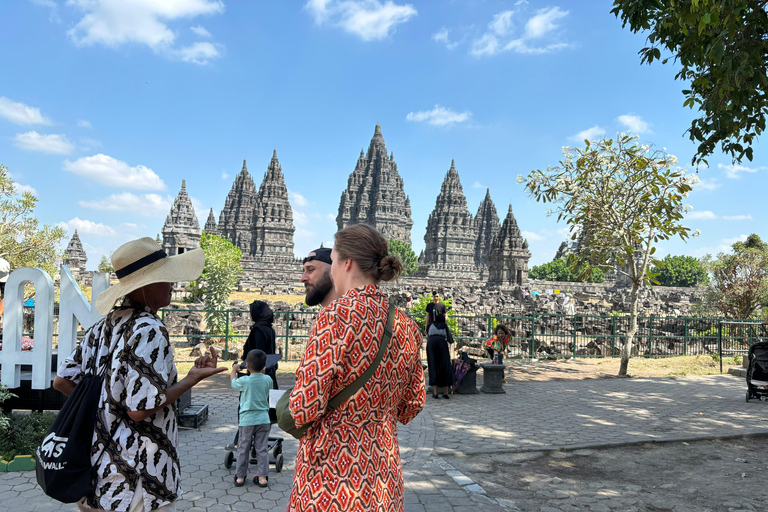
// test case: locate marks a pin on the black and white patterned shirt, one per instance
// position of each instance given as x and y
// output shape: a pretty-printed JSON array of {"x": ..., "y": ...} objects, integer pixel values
[{"x": 132, "y": 342}]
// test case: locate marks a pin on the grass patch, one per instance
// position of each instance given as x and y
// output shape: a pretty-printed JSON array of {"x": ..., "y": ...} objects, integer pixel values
[{"x": 681, "y": 366}]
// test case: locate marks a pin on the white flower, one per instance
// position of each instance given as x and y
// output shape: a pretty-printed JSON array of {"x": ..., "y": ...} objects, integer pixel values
[
  {"x": 696, "y": 233},
  {"x": 687, "y": 208},
  {"x": 548, "y": 212},
  {"x": 520, "y": 178}
]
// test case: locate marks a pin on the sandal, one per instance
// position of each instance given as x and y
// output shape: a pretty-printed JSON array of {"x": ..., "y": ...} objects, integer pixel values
[
  {"x": 239, "y": 484},
  {"x": 256, "y": 481}
]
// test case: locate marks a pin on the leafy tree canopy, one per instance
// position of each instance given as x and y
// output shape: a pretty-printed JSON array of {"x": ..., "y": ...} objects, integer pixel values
[
  {"x": 739, "y": 279},
  {"x": 680, "y": 271},
  {"x": 219, "y": 279},
  {"x": 558, "y": 270},
  {"x": 722, "y": 49},
  {"x": 419, "y": 313},
  {"x": 620, "y": 198},
  {"x": 23, "y": 242},
  {"x": 404, "y": 251},
  {"x": 105, "y": 264}
]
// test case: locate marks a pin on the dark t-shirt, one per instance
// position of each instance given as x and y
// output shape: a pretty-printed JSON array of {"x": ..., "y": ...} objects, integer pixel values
[{"x": 430, "y": 315}]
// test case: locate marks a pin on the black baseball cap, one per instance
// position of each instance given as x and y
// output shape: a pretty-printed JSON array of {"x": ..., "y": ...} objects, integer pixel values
[{"x": 322, "y": 254}]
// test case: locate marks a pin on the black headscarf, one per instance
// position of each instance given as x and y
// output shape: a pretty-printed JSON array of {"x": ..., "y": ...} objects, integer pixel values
[
  {"x": 262, "y": 335},
  {"x": 261, "y": 313}
]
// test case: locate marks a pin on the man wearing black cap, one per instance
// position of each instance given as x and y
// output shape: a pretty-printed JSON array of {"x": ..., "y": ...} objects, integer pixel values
[{"x": 317, "y": 278}]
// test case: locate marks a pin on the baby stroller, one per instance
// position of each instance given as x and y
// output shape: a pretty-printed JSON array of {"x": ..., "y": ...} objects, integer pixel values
[
  {"x": 757, "y": 372},
  {"x": 274, "y": 444}
]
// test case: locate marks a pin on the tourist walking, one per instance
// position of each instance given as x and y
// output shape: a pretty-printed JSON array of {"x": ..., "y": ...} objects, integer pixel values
[
  {"x": 262, "y": 335},
  {"x": 438, "y": 353},
  {"x": 135, "y": 438},
  {"x": 350, "y": 459}
]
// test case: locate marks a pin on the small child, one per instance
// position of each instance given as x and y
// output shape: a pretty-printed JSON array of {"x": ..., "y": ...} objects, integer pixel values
[{"x": 254, "y": 417}]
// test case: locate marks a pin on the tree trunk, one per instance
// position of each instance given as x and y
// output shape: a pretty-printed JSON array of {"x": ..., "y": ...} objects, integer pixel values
[{"x": 626, "y": 352}]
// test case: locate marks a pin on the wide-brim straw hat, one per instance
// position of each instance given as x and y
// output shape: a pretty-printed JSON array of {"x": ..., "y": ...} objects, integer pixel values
[{"x": 142, "y": 262}]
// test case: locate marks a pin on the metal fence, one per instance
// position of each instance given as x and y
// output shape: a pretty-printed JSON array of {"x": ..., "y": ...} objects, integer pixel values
[{"x": 533, "y": 336}]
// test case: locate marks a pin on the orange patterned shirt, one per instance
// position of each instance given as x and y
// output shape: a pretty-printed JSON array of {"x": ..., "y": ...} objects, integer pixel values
[{"x": 350, "y": 459}]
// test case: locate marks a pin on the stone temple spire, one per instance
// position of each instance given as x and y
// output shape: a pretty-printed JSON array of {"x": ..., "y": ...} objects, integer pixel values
[
  {"x": 375, "y": 194},
  {"x": 236, "y": 218},
  {"x": 509, "y": 255},
  {"x": 487, "y": 221},
  {"x": 451, "y": 232},
  {"x": 181, "y": 231},
  {"x": 74, "y": 256},
  {"x": 210, "y": 224},
  {"x": 273, "y": 217}
]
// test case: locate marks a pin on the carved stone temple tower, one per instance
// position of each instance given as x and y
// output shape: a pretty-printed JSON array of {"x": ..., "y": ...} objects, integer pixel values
[
  {"x": 273, "y": 217},
  {"x": 210, "y": 224},
  {"x": 75, "y": 258},
  {"x": 181, "y": 231},
  {"x": 509, "y": 255},
  {"x": 236, "y": 218},
  {"x": 375, "y": 194},
  {"x": 451, "y": 236},
  {"x": 488, "y": 226}
]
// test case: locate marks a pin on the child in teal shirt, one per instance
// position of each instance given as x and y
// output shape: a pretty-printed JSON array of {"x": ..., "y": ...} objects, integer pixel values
[{"x": 254, "y": 422}]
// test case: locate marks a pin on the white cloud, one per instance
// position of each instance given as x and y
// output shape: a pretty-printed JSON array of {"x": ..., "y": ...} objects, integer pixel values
[
  {"x": 439, "y": 116},
  {"x": 147, "y": 205},
  {"x": 297, "y": 199},
  {"x": 200, "y": 31},
  {"x": 113, "y": 23},
  {"x": 707, "y": 184},
  {"x": 20, "y": 189},
  {"x": 725, "y": 246},
  {"x": 54, "y": 14},
  {"x": 21, "y": 113},
  {"x": 589, "y": 134},
  {"x": 53, "y": 143},
  {"x": 443, "y": 37},
  {"x": 477, "y": 184},
  {"x": 112, "y": 172},
  {"x": 531, "y": 236},
  {"x": 737, "y": 217},
  {"x": 538, "y": 36},
  {"x": 330, "y": 216},
  {"x": 733, "y": 171},
  {"x": 199, "y": 53},
  {"x": 224, "y": 175},
  {"x": 634, "y": 123},
  {"x": 87, "y": 143},
  {"x": 367, "y": 19},
  {"x": 86, "y": 227},
  {"x": 84, "y": 123},
  {"x": 702, "y": 215}
]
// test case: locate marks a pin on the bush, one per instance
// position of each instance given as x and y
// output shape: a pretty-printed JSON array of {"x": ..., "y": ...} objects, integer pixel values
[
  {"x": 4, "y": 395},
  {"x": 419, "y": 313},
  {"x": 24, "y": 434}
]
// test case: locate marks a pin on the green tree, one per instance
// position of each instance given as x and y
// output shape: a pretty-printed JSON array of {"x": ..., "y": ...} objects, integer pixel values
[
  {"x": 105, "y": 264},
  {"x": 419, "y": 313},
  {"x": 721, "y": 47},
  {"x": 558, "y": 270},
  {"x": 629, "y": 196},
  {"x": 739, "y": 279},
  {"x": 404, "y": 251},
  {"x": 22, "y": 241},
  {"x": 218, "y": 280},
  {"x": 680, "y": 271}
]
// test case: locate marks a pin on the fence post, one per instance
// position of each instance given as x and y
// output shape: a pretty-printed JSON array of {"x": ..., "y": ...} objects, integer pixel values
[
  {"x": 287, "y": 325},
  {"x": 613, "y": 336},
  {"x": 533, "y": 333},
  {"x": 685, "y": 337},
  {"x": 650, "y": 337},
  {"x": 574, "y": 336},
  {"x": 226, "y": 338},
  {"x": 720, "y": 343}
]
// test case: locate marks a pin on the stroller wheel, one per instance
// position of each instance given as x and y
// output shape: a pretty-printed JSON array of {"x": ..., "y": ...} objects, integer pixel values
[
  {"x": 229, "y": 458},
  {"x": 276, "y": 451},
  {"x": 748, "y": 396},
  {"x": 279, "y": 463}
]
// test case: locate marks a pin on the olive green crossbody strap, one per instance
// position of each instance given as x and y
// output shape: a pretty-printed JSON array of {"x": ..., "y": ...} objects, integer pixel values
[{"x": 359, "y": 382}]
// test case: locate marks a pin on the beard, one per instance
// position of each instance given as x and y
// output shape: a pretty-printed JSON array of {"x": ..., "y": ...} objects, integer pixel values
[{"x": 320, "y": 289}]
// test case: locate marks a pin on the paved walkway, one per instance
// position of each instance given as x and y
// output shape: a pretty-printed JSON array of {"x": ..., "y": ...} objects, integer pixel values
[{"x": 531, "y": 416}]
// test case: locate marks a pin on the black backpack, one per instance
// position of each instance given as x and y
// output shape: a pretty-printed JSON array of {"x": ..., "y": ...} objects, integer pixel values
[{"x": 63, "y": 460}]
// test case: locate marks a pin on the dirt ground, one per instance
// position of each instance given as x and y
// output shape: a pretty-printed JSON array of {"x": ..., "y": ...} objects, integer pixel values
[{"x": 716, "y": 475}]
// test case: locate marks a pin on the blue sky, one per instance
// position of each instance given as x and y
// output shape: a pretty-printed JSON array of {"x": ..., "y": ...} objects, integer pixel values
[{"x": 106, "y": 105}]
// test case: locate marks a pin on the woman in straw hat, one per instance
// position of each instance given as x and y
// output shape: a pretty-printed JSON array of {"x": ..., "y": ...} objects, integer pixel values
[{"x": 138, "y": 468}]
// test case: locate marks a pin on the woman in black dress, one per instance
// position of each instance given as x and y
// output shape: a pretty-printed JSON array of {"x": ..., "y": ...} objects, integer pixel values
[
  {"x": 438, "y": 354},
  {"x": 262, "y": 335}
]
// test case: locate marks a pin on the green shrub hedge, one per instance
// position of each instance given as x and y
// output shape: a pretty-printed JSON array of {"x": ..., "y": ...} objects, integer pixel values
[{"x": 24, "y": 433}]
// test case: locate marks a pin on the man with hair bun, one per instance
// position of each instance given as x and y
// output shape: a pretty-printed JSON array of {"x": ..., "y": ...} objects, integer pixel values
[{"x": 344, "y": 341}]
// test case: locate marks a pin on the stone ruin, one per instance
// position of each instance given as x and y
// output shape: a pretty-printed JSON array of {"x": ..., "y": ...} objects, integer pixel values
[
  {"x": 75, "y": 259},
  {"x": 181, "y": 231}
]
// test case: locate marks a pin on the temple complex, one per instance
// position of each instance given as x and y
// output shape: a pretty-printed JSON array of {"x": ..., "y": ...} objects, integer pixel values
[
  {"x": 509, "y": 255},
  {"x": 181, "y": 231},
  {"x": 488, "y": 226},
  {"x": 375, "y": 194},
  {"x": 210, "y": 223},
  {"x": 451, "y": 236},
  {"x": 75, "y": 258}
]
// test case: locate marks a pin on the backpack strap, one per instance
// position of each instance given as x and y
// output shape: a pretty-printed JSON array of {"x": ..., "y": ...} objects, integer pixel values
[{"x": 358, "y": 383}]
